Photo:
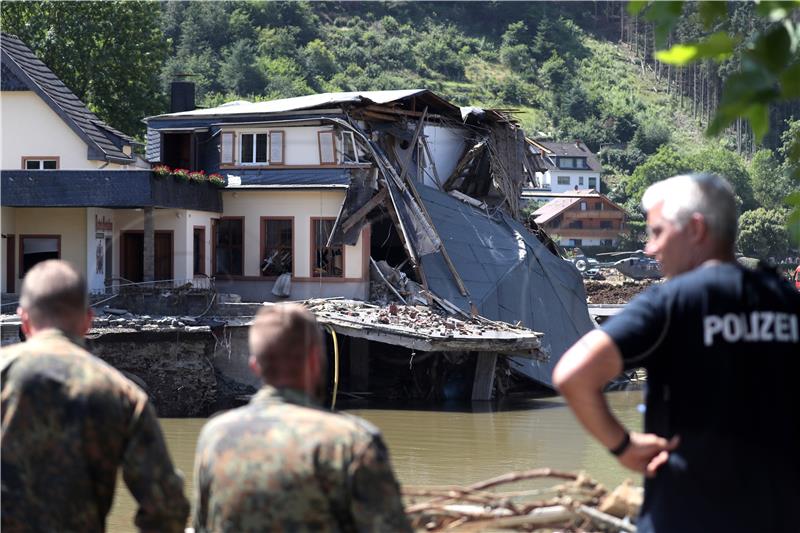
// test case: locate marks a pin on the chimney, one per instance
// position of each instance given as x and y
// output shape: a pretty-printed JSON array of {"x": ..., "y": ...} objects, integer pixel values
[{"x": 182, "y": 97}]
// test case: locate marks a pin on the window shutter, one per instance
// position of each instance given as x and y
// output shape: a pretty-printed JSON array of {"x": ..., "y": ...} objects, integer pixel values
[
  {"x": 276, "y": 147},
  {"x": 327, "y": 151},
  {"x": 227, "y": 148}
]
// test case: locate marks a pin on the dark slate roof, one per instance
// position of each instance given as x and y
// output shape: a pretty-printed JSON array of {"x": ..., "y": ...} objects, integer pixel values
[
  {"x": 573, "y": 149},
  {"x": 287, "y": 179},
  {"x": 104, "y": 142},
  {"x": 510, "y": 275},
  {"x": 104, "y": 188}
]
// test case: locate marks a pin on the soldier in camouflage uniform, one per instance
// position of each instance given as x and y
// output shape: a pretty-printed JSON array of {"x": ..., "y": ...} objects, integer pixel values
[
  {"x": 70, "y": 421},
  {"x": 281, "y": 463}
]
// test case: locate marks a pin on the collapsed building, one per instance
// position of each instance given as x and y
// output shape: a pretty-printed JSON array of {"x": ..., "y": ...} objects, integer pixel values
[{"x": 398, "y": 198}]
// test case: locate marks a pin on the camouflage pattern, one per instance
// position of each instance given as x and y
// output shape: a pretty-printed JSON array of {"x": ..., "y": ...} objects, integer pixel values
[
  {"x": 69, "y": 422},
  {"x": 278, "y": 464}
]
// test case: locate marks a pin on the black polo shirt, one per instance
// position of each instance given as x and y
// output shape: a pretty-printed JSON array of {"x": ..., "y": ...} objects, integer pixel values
[{"x": 721, "y": 345}]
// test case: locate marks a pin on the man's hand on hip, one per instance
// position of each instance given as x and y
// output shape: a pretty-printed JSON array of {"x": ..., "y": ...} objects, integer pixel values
[{"x": 647, "y": 452}]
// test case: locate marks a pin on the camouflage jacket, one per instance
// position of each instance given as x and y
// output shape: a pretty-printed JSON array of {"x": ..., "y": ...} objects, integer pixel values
[
  {"x": 69, "y": 422},
  {"x": 279, "y": 464}
]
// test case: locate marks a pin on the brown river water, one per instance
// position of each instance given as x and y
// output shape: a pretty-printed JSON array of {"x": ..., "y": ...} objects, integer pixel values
[{"x": 453, "y": 444}]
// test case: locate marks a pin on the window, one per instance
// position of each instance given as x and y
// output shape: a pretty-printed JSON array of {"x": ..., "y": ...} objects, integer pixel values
[
  {"x": 228, "y": 146},
  {"x": 563, "y": 180},
  {"x": 254, "y": 148},
  {"x": 606, "y": 242},
  {"x": 327, "y": 148},
  {"x": 276, "y": 147},
  {"x": 40, "y": 163},
  {"x": 580, "y": 180},
  {"x": 37, "y": 248},
  {"x": 349, "y": 152},
  {"x": 576, "y": 224},
  {"x": 325, "y": 261},
  {"x": 229, "y": 246},
  {"x": 566, "y": 162},
  {"x": 606, "y": 224},
  {"x": 577, "y": 242},
  {"x": 199, "y": 250},
  {"x": 593, "y": 183},
  {"x": 599, "y": 206},
  {"x": 584, "y": 206},
  {"x": 277, "y": 246},
  {"x": 581, "y": 163}
]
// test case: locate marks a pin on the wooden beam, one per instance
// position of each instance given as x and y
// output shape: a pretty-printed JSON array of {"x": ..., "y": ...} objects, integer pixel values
[{"x": 373, "y": 202}]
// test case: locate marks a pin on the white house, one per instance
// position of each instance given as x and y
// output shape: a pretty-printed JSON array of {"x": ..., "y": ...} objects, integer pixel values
[
  {"x": 569, "y": 166},
  {"x": 72, "y": 189}
]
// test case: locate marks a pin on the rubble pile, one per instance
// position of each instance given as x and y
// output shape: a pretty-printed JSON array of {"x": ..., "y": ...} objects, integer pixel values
[
  {"x": 604, "y": 292},
  {"x": 421, "y": 319},
  {"x": 121, "y": 321}
]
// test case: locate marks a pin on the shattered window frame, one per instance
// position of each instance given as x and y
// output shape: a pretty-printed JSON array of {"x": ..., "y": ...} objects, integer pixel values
[
  {"x": 276, "y": 256},
  {"x": 324, "y": 258},
  {"x": 348, "y": 152},
  {"x": 223, "y": 251}
]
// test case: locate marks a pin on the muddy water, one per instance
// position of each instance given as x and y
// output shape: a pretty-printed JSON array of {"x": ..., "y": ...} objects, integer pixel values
[{"x": 453, "y": 444}]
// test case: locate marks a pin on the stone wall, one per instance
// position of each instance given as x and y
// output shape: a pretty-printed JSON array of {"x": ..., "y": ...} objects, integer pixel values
[{"x": 172, "y": 366}]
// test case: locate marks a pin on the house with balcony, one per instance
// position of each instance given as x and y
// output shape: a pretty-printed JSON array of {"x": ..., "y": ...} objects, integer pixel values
[
  {"x": 568, "y": 167},
  {"x": 73, "y": 188},
  {"x": 582, "y": 218}
]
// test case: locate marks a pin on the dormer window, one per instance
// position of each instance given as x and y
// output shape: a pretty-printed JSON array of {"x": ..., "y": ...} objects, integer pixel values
[{"x": 40, "y": 163}]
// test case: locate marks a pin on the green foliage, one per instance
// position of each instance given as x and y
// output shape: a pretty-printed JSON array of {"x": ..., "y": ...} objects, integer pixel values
[
  {"x": 763, "y": 233},
  {"x": 108, "y": 53},
  {"x": 665, "y": 163},
  {"x": 770, "y": 183},
  {"x": 651, "y": 135},
  {"x": 717, "y": 160}
]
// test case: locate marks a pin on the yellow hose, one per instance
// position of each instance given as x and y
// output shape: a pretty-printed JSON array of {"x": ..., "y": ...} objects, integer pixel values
[{"x": 335, "y": 367}]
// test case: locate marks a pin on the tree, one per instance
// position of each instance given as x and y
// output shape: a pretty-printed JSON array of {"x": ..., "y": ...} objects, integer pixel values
[
  {"x": 770, "y": 183},
  {"x": 108, "y": 53},
  {"x": 729, "y": 165},
  {"x": 765, "y": 71},
  {"x": 665, "y": 163},
  {"x": 762, "y": 233}
]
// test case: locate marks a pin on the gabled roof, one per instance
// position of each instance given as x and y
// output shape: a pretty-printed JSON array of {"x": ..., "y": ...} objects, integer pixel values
[
  {"x": 105, "y": 143},
  {"x": 313, "y": 101},
  {"x": 555, "y": 207},
  {"x": 572, "y": 149}
]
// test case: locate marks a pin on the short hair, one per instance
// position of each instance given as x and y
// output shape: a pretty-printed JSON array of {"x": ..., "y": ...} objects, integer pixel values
[
  {"x": 54, "y": 295},
  {"x": 281, "y": 338},
  {"x": 707, "y": 194}
]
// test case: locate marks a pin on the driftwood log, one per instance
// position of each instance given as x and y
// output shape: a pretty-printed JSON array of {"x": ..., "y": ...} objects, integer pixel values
[{"x": 574, "y": 504}]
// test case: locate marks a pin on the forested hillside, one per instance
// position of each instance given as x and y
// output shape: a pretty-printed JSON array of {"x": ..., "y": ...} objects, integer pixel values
[{"x": 571, "y": 70}]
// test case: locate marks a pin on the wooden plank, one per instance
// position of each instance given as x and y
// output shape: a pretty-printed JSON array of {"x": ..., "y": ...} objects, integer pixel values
[
  {"x": 484, "y": 376},
  {"x": 353, "y": 219}
]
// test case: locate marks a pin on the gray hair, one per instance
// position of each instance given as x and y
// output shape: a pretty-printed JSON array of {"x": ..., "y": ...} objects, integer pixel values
[
  {"x": 706, "y": 194},
  {"x": 54, "y": 295}
]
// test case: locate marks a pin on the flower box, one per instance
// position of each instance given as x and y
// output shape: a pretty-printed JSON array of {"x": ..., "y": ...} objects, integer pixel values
[
  {"x": 180, "y": 174},
  {"x": 216, "y": 179},
  {"x": 162, "y": 171},
  {"x": 198, "y": 176}
]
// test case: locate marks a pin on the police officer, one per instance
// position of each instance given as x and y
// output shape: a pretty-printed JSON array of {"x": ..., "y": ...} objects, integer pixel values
[
  {"x": 281, "y": 463},
  {"x": 722, "y": 351},
  {"x": 70, "y": 421}
]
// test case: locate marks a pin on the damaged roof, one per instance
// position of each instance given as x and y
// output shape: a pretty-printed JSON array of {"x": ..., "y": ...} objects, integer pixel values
[
  {"x": 105, "y": 143},
  {"x": 314, "y": 101},
  {"x": 509, "y": 274}
]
